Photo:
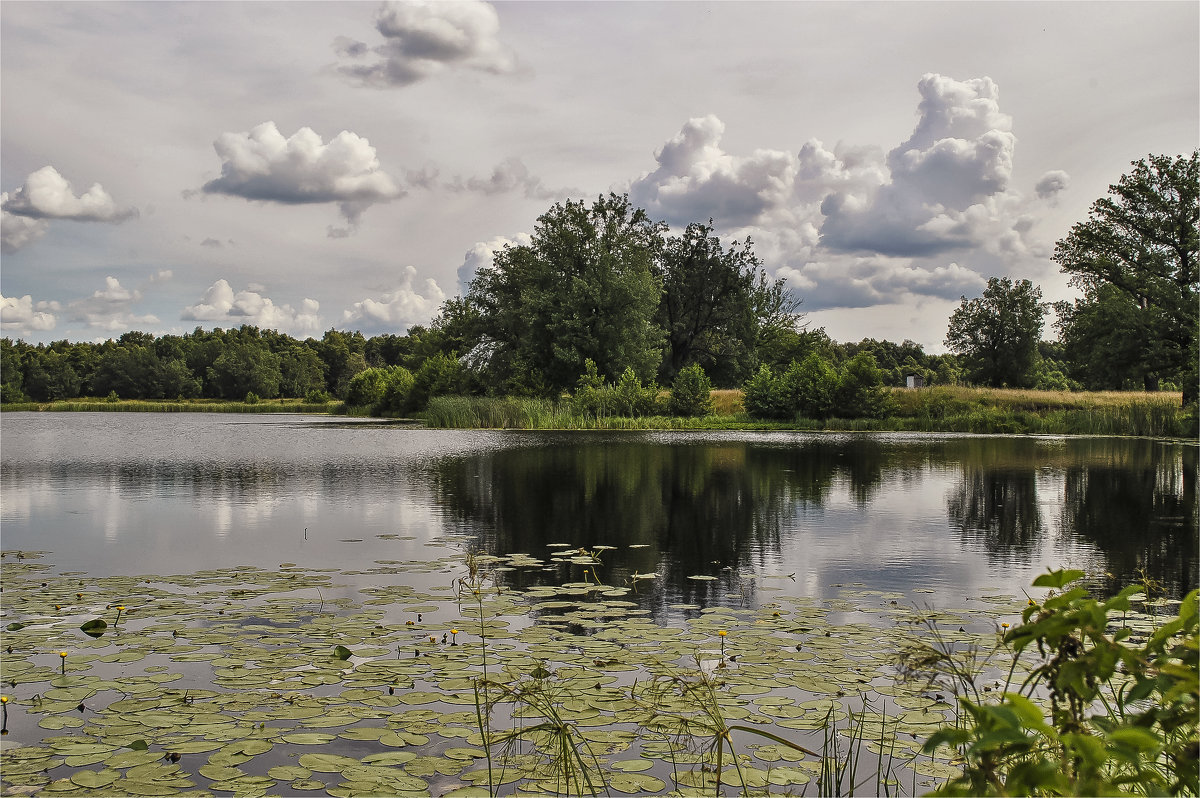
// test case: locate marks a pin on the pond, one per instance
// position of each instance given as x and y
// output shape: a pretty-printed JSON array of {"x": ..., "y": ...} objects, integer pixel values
[{"x": 291, "y": 535}]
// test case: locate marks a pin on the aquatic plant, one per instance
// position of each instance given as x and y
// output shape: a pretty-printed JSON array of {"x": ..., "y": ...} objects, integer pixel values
[{"x": 1107, "y": 709}]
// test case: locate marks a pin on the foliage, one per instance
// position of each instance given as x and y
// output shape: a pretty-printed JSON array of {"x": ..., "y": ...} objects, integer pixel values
[
  {"x": 691, "y": 393},
  {"x": 1122, "y": 715},
  {"x": 997, "y": 334},
  {"x": 583, "y": 288},
  {"x": 860, "y": 391},
  {"x": 1137, "y": 260},
  {"x": 715, "y": 304},
  {"x": 626, "y": 398},
  {"x": 366, "y": 387},
  {"x": 815, "y": 389}
]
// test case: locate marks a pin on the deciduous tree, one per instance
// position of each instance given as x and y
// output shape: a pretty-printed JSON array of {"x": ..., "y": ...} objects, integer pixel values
[
  {"x": 1136, "y": 260},
  {"x": 997, "y": 334}
]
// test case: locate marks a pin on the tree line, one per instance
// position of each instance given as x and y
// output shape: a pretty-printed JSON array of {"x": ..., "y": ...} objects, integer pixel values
[{"x": 605, "y": 299}]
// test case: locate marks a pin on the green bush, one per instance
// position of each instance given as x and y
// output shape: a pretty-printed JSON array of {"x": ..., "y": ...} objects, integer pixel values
[
  {"x": 762, "y": 396},
  {"x": 317, "y": 397},
  {"x": 366, "y": 387},
  {"x": 1119, "y": 714},
  {"x": 251, "y": 398},
  {"x": 633, "y": 399},
  {"x": 440, "y": 375},
  {"x": 811, "y": 385},
  {"x": 628, "y": 398},
  {"x": 861, "y": 392},
  {"x": 691, "y": 393},
  {"x": 397, "y": 396}
]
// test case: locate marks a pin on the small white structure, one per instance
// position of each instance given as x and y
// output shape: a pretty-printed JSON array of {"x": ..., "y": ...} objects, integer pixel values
[{"x": 913, "y": 381}]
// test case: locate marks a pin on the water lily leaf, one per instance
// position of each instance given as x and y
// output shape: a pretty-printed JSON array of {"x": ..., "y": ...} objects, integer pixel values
[
  {"x": 94, "y": 780},
  {"x": 94, "y": 627},
  {"x": 307, "y": 784},
  {"x": 307, "y": 738},
  {"x": 15, "y": 626},
  {"x": 341, "y": 652},
  {"x": 635, "y": 783}
]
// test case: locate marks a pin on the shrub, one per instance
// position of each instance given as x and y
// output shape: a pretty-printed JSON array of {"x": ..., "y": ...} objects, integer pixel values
[
  {"x": 1122, "y": 710},
  {"x": 397, "y": 396},
  {"x": 633, "y": 399},
  {"x": 592, "y": 397},
  {"x": 317, "y": 397},
  {"x": 251, "y": 398},
  {"x": 366, "y": 387},
  {"x": 860, "y": 392},
  {"x": 440, "y": 375},
  {"x": 691, "y": 393},
  {"x": 763, "y": 395},
  {"x": 810, "y": 386}
]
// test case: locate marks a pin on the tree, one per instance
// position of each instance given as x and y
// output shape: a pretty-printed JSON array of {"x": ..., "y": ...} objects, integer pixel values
[
  {"x": 997, "y": 334},
  {"x": 583, "y": 288},
  {"x": 1136, "y": 261},
  {"x": 246, "y": 367},
  {"x": 714, "y": 303},
  {"x": 691, "y": 393}
]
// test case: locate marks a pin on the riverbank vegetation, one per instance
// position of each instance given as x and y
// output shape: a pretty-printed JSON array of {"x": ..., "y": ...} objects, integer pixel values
[{"x": 605, "y": 315}]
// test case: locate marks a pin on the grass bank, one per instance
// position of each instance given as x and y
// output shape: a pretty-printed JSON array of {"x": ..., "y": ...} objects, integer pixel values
[
  {"x": 87, "y": 405},
  {"x": 935, "y": 409}
]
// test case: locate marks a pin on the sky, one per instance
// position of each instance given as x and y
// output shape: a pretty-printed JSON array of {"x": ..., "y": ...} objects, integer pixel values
[{"x": 304, "y": 166}]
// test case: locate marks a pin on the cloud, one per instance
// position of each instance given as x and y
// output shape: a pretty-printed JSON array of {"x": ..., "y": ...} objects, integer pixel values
[
  {"x": 110, "y": 308},
  {"x": 398, "y": 309},
  {"x": 222, "y": 305},
  {"x": 696, "y": 179},
  {"x": 264, "y": 166},
  {"x": 509, "y": 176},
  {"x": 866, "y": 282},
  {"x": 47, "y": 195},
  {"x": 958, "y": 160},
  {"x": 1051, "y": 183},
  {"x": 18, "y": 231},
  {"x": 482, "y": 253},
  {"x": 21, "y": 316},
  {"x": 423, "y": 38}
]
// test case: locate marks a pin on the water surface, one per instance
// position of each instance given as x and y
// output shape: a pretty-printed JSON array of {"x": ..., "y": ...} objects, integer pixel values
[{"x": 125, "y": 493}]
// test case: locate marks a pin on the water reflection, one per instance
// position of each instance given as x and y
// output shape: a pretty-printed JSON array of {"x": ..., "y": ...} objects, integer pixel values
[
  {"x": 751, "y": 513},
  {"x": 730, "y": 508}
]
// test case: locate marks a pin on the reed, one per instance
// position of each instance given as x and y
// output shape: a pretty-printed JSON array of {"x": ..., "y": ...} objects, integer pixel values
[{"x": 172, "y": 406}]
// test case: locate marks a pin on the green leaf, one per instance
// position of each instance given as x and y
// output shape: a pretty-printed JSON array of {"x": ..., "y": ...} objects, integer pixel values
[
  {"x": 94, "y": 627},
  {"x": 1057, "y": 579},
  {"x": 138, "y": 745},
  {"x": 341, "y": 652}
]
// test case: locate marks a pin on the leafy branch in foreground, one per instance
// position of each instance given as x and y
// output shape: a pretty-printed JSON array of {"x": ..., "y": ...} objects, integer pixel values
[{"x": 1122, "y": 708}]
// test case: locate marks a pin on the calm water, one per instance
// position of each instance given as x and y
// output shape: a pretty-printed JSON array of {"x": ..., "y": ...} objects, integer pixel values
[{"x": 176, "y": 493}]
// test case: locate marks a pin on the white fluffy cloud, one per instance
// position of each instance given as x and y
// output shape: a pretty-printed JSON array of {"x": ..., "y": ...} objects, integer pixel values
[
  {"x": 399, "y": 309},
  {"x": 21, "y": 316},
  {"x": 423, "y": 38},
  {"x": 263, "y": 165},
  {"x": 222, "y": 305},
  {"x": 696, "y": 179},
  {"x": 110, "y": 309},
  {"x": 945, "y": 179},
  {"x": 851, "y": 227},
  {"x": 482, "y": 254},
  {"x": 47, "y": 195}
]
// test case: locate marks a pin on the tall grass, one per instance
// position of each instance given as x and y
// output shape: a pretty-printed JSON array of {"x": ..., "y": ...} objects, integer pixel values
[{"x": 168, "y": 406}]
